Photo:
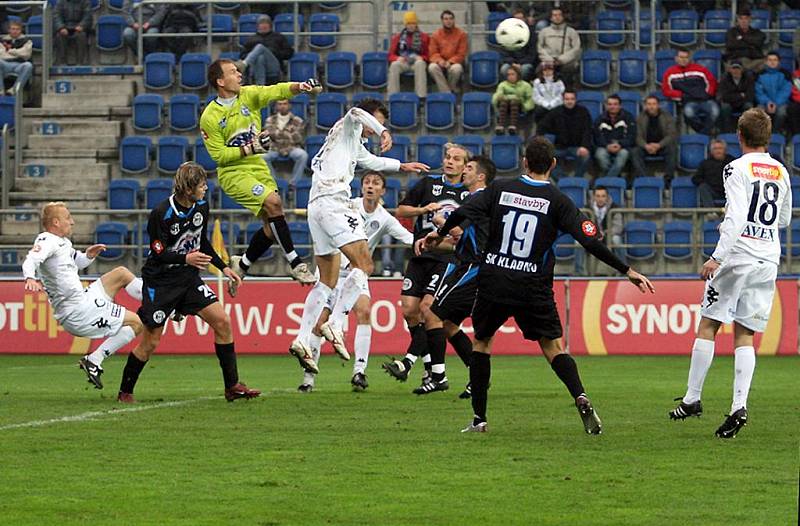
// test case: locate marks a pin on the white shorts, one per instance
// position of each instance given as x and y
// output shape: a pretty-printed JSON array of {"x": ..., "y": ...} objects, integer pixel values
[
  {"x": 338, "y": 290},
  {"x": 97, "y": 316},
  {"x": 741, "y": 292},
  {"x": 333, "y": 223}
]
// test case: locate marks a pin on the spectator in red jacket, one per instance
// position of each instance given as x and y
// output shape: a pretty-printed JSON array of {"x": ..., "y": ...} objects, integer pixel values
[
  {"x": 694, "y": 86},
  {"x": 409, "y": 51},
  {"x": 793, "y": 111}
]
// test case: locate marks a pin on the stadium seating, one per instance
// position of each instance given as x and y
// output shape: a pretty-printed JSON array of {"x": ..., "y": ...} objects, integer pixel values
[
  {"x": 787, "y": 58},
  {"x": 249, "y": 232},
  {"x": 720, "y": 20},
  {"x": 683, "y": 19},
  {"x": 323, "y": 23},
  {"x": 283, "y": 188},
  {"x": 616, "y": 188},
  {"x": 184, "y": 112},
  {"x": 675, "y": 233},
  {"x": 760, "y": 18},
  {"x": 401, "y": 146},
  {"x": 665, "y": 58},
  {"x": 596, "y": 68},
  {"x": 692, "y": 150},
  {"x": 777, "y": 146},
  {"x": 392, "y": 196},
  {"x": 795, "y": 182},
  {"x": 340, "y": 69},
  {"x": 148, "y": 109},
  {"x": 593, "y": 101},
  {"x": 299, "y": 105},
  {"x": 301, "y": 192},
  {"x": 193, "y": 71},
  {"x": 484, "y": 67},
  {"x": 221, "y": 23},
  {"x": 711, "y": 59},
  {"x": 248, "y": 24},
  {"x": 647, "y": 192},
  {"x": 230, "y": 232},
  {"x": 565, "y": 247},
  {"x": 710, "y": 237},
  {"x": 684, "y": 193},
  {"x": 732, "y": 141},
  {"x": 611, "y": 21},
  {"x": 505, "y": 152},
  {"x": 641, "y": 235},
  {"x": 34, "y": 29},
  {"x": 301, "y": 237},
  {"x": 476, "y": 110},
  {"x": 227, "y": 202},
  {"x": 576, "y": 188},
  {"x": 355, "y": 188},
  {"x": 665, "y": 104},
  {"x": 156, "y": 191},
  {"x": 284, "y": 23},
  {"x": 303, "y": 66},
  {"x": 123, "y": 194},
  {"x": 171, "y": 152},
  {"x": 646, "y": 26},
  {"x": 362, "y": 95},
  {"x": 493, "y": 19},
  {"x": 631, "y": 101},
  {"x": 111, "y": 234},
  {"x": 632, "y": 67},
  {"x": 158, "y": 69},
  {"x": 795, "y": 240},
  {"x": 788, "y": 19},
  {"x": 796, "y": 152},
  {"x": 430, "y": 150},
  {"x": 374, "y": 69},
  {"x": 109, "y": 32},
  {"x": 473, "y": 143},
  {"x": 440, "y": 111},
  {"x": 330, "y": 108},
  {"x": 134, "y": 154},
  {"x": 403, "y": 109},
  {"x": 313, "y": 144},
  {"x": 202, "y": 157}
]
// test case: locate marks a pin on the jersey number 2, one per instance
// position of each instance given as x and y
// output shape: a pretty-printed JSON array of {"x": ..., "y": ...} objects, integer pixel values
[
  {"x": 768, "y": 208},
  {"x": 518, "y": 232}
]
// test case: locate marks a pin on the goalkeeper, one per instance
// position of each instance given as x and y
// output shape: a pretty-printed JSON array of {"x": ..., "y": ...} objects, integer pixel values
[{"x": 231, "y": 130}]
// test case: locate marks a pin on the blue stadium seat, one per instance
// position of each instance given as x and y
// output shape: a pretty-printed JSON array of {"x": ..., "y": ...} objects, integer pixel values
[
  {"x": 212, "y": 194},
  {"x": 787, "y": 58},
  {"x": 183, "y": 112},
  {"x": 362, "y": 95},
  {"x": 301, "y": 237},
  {"x": 403, "y": 109},
  {"x": 221, "y": 23},
  {"x": 596, "y": 68},
  {"x": 683, "y": 19},
  {"x": 301, "y": 192},
  {"x": 777, "y": 146},
  {"x": 710, "y": 237},
  {"x": 795, "y": 182},
  {"x": 194, "y": 70},
  {"x": 796, "y": 152},
  {"x": 332, "y": 5},
  {"x": 158, "y": 68},
  {"x": 611, "y": 21},
  {"x": 134, "y": 154},
  {"x": 732, "y": 141},
  {"x": 692, "y": 150},
  {"x": 476, "y": 110},
  {"x": 248, "y": 234},
  {"x": 202, "y": 157},
  {"x": 576, "y": 188},
  {"x": 788, "y": 19},
  {"x": 330, "y": 108},
  {"x": 248, "y": 24},
  {"x": 109, "y": 32},
  {"x": 303, "y": 66},
  {"x": 678, "y": 233},
  {"x": 647, "y": 192},
  {"x": 646, "y": 27},
  {"x": 401, "y": 144},
  {"x": 299, "y": 104},
  {"x": 505, "y": 152},
  {"x": 667, "y": 105},
  {"x": 392, "y": 196},
  {"x": 493, "y": 19},
  {"x": 430, "y": 150},
  {"x": 440, "y": 111},
  {"x": 374, "y": 69},
  {"x": 115, "y": 5},
  {"x": 340, "y": 69},
  {"x": 230, "y": 233},
  {"x": 283, "y": 23},
  {"x": 665, "y": 58},
  {"x": 564, "y": 247},
  {"x": 631, "y": 101},
  {"x": 171, "y": 152},
  {"x": 123, "y": 194},
  {"x": 355, "y": 188},
  {"x": 632, "y": 68},
  {"x": 227, "y": 202},
  {"x": 147, "y": 111},
  {"x": 616, "y": 188},
  {"x": 484, "y": 69},
  {"x": 156, "y": 191},
  {"x": 474, "y": 143},
  {"x": 34, "y": 29},
  {"x": 323, "y": 23},
  {"x": 684, "y": 193},
  {"x": 795, "y": 240},
  {"x": 642, "y": 235},
  {"x": 711, "y": 59},
  {"x": 111, "y": 234},
  {"x": 313, "y": 144},
  {"x": 760, "y": 18},
  {"x": 7, "y": 111},
  {"x": 719, "y": 20},
  {"x": 283, "y": 188},
  {"x": 593, "y": 101}
]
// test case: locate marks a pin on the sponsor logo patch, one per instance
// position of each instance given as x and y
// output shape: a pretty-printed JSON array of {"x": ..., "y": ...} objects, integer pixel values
[
  {"x": 407, "y": 284},
  {"x": 197, "y": 220},
  {"x": 589, "y": 228},
  {"x": 534, "y": 204},
  {"x": 765, "y": 171},
  {"x": 159, "y": 316},
  {"x": 258, "y": 189},
  {"x": 157, "y": 246}
]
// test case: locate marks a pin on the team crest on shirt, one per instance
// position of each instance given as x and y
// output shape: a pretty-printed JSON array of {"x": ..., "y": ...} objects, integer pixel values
[
  {"x": 223, "y": 122},
  {"x": 589, "y": 228},
  {"x": 245, "y": 110},
  {"x": 159, "y": 316},
  {"x": 407, "y": 284},
  {"x": 437, "y": 189},
  {"x": 257, "y": 189},
  {"x": 372, "y": 226},
  {"x": 197, "y": 220},
  {"x": 174, "y": 229}
]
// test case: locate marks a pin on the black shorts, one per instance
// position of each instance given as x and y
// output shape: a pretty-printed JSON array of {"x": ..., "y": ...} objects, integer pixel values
[
  {"x": 455, "y": 296},
  {"x": 536, "y": 320},
  {"x": 422, "y": 277},
  {"x": 185, "y": 296}
]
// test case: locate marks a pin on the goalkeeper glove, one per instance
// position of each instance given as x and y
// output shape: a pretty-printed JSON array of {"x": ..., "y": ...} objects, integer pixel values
[
  {"x": 259, "y": 146},
  {"x": 312, "y": 85}
]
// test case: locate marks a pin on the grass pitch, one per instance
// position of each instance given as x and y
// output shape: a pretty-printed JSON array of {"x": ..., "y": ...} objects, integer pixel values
[{"x": 69, "y": 455}]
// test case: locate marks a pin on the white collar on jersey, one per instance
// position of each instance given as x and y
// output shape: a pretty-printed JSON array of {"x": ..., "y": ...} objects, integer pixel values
[
  {"x": 528, "y": 179},
  {"x": 227, "y": 102}
]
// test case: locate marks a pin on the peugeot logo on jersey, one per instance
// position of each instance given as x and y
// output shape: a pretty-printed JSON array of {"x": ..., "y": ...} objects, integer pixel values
[
  {"x": 197, "y": 220},
  {"x": 437, "y": 189}
]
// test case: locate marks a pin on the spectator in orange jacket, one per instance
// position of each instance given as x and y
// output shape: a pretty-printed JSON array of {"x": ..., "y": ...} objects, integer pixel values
[
  {"x": 409, "y": 51},
  {"x": 694, "y": 86},
  {"x": 448, "y": 51}
]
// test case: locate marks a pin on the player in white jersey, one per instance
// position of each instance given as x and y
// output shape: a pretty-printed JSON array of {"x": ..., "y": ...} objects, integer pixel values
[
  {"x": 377, "y": 222},
  {"x": 740, "y": 274},
  {"x": 334, "y": 224},
  {"x": 52, "y": 265}
]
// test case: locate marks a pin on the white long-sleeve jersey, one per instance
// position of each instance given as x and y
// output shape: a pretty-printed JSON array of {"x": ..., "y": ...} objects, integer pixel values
[
  {"x": 758, "y": 203},
  {"x": 377, "y": 224},
  {"x": 335, "y": 163},
  {"x": 53, "y": 261}
]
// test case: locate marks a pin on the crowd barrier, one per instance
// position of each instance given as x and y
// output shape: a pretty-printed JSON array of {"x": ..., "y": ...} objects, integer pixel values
[{"x": 600, "y": 317}]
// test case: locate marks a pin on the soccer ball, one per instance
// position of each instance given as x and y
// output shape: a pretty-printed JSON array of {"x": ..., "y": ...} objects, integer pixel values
[{"x": 512, "y": 34}]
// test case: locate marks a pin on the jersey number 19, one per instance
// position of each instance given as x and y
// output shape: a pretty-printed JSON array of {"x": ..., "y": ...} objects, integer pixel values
[{"x": 519, "y": 230}]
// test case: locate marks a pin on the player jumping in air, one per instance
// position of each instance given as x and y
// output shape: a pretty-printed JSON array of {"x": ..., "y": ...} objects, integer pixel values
[
  {"x": 52, "y": 264},
  {"x": 377, "y": 222},
  {"x": 179, "y": 250},
  {"x": 740, "y": 274},
  {"x": 516, "y": 276},
  {"x": 336, "y": 226},
  {"x": 231, "y": 130}
]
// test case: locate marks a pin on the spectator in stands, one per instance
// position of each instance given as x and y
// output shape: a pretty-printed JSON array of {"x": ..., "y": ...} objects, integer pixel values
[
  {"x": 736, "y": 94},
  {"x": 448, "y": 50},
  {"x": 571, "y": 124},
  {"x": 408, "y": 51},
  {"x": 610, "y": 226},
  {"x": 773, "y": 89},
  {"x": 513, "y": 97},
  {"x": 72, "y": 21},
  {"x": 524, "y": 58},
  {"x": 548, "y": 91},
  {"x": 560, "y": 44},
  {"x": 614, "y": 136},
  {"x": 15, "y": 57},
  {"x": 694, "y": 86},
  {"x": 708, "y": 178},
  {"x": 745, "y": 43},
  {"x": 264, "y": 53},
  {"x": 286, "y": 133},
  {"x": 793, "y": 110},
  {"x": 179, "y": 18},
  {"x": 656, "y": 134},
  {"x": 150, "y": 12}
]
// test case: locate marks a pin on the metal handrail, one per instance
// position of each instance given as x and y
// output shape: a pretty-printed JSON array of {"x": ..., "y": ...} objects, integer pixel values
[{"x": 4, "y": 168}]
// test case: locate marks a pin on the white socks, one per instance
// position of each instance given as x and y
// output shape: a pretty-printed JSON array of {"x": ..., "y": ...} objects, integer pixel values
[
  {"x": 361, "y": 344},
  {"x": 702, "y": 354},
  {"x": 134, "y": 289},
  {"x": 315, "y": 342},
  {"x": 352, "y": 288},
  {"x": 744, "y": 364},
  {"x": 115, "y": 343},
  {"x": 315, "y": 302}
]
